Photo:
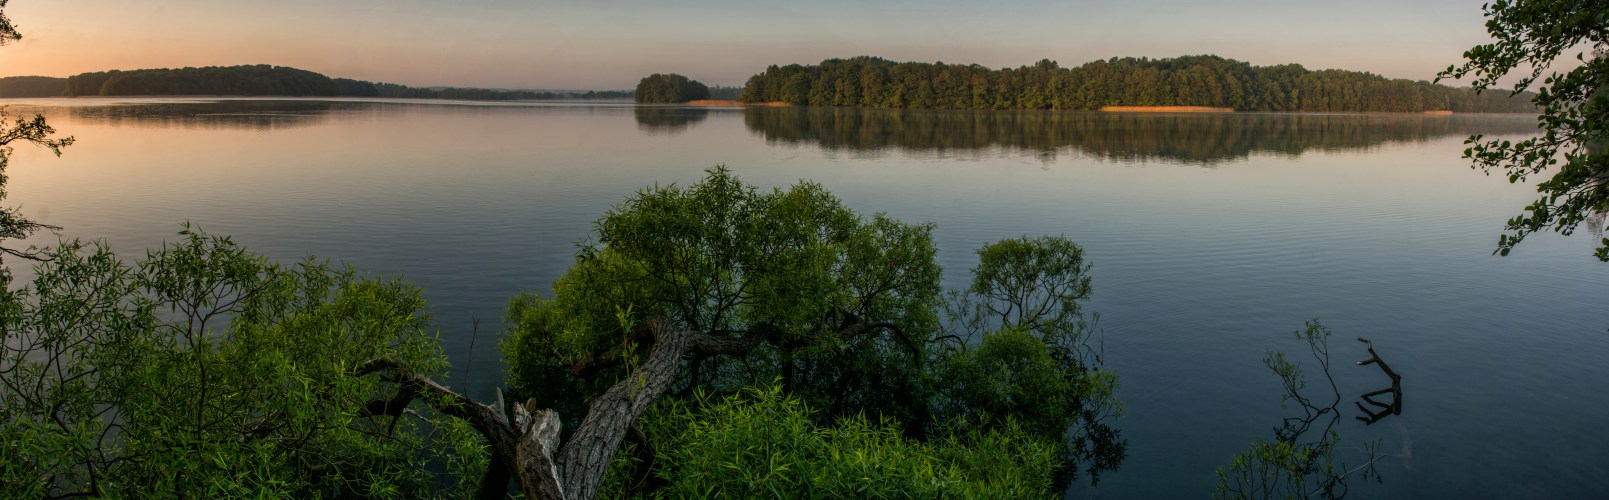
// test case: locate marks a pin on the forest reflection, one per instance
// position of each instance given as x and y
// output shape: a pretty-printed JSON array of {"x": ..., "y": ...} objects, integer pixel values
[
  {"x": 669, "y": 120},
  {"x": 1199, "y": 139},
  {"x": 263, "y": 115}
]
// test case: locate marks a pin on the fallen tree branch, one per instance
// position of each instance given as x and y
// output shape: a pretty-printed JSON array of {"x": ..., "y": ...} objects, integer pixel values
[{"x": 1386, "y": 409}]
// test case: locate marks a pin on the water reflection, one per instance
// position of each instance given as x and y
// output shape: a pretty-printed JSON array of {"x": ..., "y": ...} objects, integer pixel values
[
  {"x": 1197, "y": 139},
  {"x": 668, "y": 120},
  {"x": 243, "y": 114}
]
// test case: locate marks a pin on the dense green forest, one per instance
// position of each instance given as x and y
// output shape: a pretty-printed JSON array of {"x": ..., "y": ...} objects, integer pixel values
[
  {"x": 1182, "y": 81},
  {"x": 31, "y": 86},
  {"x": 253, "y": 80},
  {"x": 667, "y": 88}
]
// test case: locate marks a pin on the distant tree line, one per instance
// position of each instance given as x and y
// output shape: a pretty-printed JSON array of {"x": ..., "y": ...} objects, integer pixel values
[
  {"x": 31, "y": 86},
  {"x": 258, "y": 80},
  {"x": 252, "y": 80},
  {"x": 1182, "y": 81},
  {"x": 360, "y": 88},
  {"x": 725, "y": 93},
  {"x": 661, "y": 88}
]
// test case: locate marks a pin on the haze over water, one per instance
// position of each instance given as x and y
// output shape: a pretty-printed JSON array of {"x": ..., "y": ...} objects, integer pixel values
[{"x": 1212, "y": 238}]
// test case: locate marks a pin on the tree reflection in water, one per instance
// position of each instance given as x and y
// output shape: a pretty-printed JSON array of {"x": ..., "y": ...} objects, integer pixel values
[{"x": 1203, "y": 139}]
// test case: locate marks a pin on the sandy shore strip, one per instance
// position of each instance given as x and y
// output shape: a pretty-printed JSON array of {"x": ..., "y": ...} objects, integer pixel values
[
  {"x": 1166, "y": 109},
  {"x": 717, "y": 102}
]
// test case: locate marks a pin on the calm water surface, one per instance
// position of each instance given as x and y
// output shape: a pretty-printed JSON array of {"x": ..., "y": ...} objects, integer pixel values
[{"x": 1212, "y": 236}]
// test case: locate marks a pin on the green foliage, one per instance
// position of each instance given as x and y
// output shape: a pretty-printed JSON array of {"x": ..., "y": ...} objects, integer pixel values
[
  {"x": 785, "y": 266},
  {"x": 762, "y": 443},
  {"x": 204, "y": 371},
  {"x": 845, "y": 311},
  {"x": 1036, "y": 285},
  {"x": 1182, "y": 81},
  {"x": 660, "y": 88},
  {"x": 1013, "y": 376},
  {"x": 1278, "y": 469},
  {"x": 1574, "y": 110},
  {"x": 1034, "y": 363}
]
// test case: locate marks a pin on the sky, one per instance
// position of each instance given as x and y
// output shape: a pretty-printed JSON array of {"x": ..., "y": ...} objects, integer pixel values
[{"x": 602, "y": 44}]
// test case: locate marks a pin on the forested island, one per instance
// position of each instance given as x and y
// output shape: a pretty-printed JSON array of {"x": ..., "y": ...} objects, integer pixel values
[
  {"x": 1201, "y": 81},
  {"x": 257, "y": 80},
  {"x": 668, "y": 88}
]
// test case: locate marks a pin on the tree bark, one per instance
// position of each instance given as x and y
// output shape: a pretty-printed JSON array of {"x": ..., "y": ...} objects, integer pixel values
[{"x": 530, "y": 443}]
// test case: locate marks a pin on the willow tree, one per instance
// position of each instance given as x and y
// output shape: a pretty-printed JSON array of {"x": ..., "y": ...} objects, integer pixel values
[{"x": 717, "y": 287}]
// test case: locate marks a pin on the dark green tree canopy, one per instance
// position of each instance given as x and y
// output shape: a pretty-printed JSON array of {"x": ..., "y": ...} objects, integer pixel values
[
  {"x": 1574, "y": 120},
  {"x": 843, "y": 312},
  {"x": 31, "y": 86},
  {"x": 663, "y": 88},
  {"x": 205, "y": 370},
  {"x": 1204, "y": 80},
  {"x": 260, "y": 79}
]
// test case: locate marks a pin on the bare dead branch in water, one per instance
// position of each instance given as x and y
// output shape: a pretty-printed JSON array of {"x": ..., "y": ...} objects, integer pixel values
[{"x": 1385, "y": 409}]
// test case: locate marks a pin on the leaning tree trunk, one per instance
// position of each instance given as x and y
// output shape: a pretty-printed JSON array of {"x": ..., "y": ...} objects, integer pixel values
[
  {"x": 527, "y": 439},
  {"x": 586, "y": 456}
]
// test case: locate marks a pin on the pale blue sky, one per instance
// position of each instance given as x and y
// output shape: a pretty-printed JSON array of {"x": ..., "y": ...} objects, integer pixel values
[{"x": 561, "y": 44}]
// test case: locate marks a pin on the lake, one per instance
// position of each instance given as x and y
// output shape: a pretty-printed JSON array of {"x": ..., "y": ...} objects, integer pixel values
[{"x": 1212, "y": 236}]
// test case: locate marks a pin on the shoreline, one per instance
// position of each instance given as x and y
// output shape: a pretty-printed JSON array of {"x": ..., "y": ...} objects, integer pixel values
[
  {"x": 734, "y": 103},
  {"x": 1164, "y": 109},
  {"x": 725, "y": 102}
]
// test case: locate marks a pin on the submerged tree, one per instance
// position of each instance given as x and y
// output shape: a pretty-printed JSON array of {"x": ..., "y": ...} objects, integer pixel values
[
  {"x": 1531, "y": 37},
  {"x": 1303, "y": 460}
]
